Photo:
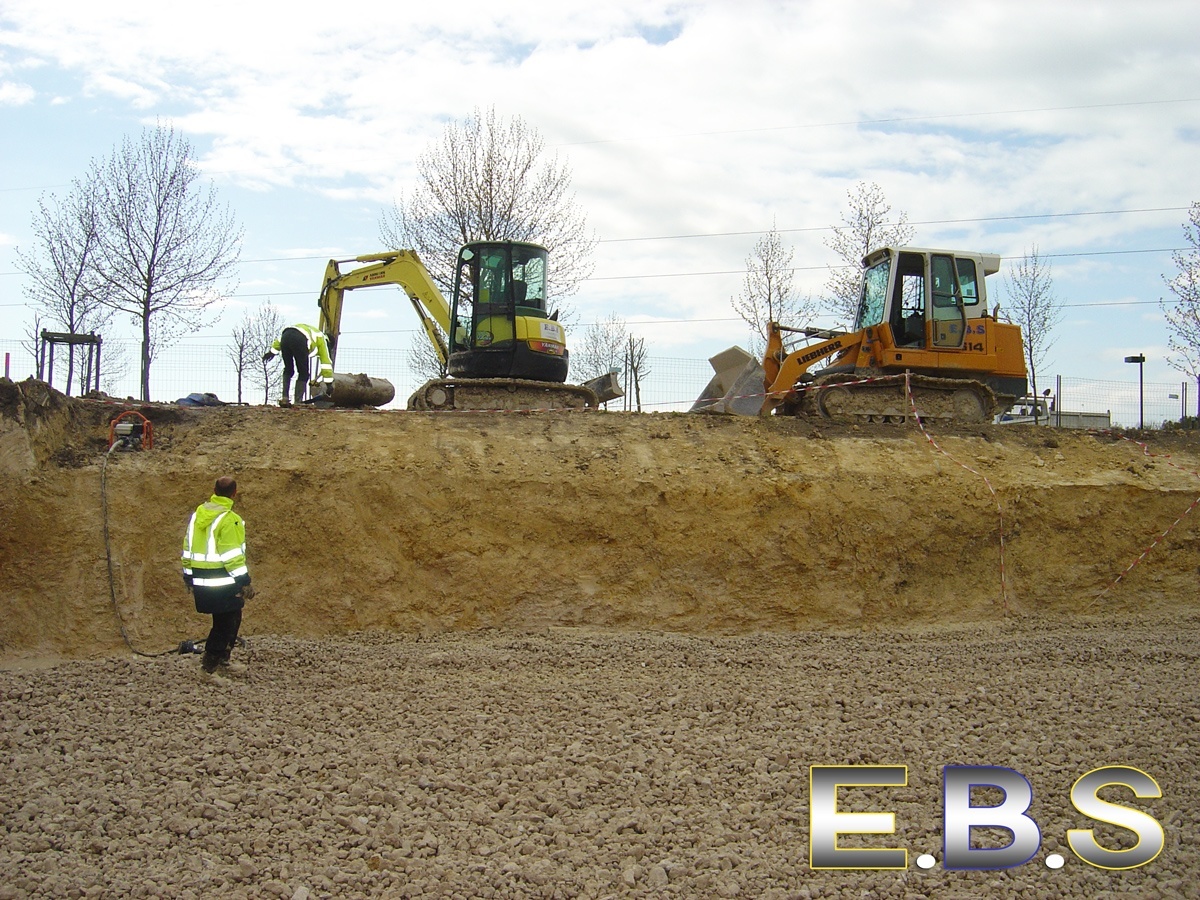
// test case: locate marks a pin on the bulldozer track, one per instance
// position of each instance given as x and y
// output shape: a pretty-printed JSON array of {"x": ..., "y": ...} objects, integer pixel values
[
  {"x": 504, "y": 394},
  {"x": 885, "y": 399}
]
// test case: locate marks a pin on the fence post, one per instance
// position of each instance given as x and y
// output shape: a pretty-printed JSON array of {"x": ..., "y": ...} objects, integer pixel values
[{"x": 1058, "y": 401}]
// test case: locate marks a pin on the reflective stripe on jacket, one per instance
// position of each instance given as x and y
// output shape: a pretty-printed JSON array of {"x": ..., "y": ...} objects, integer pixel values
[
  {"x": 214, "y": 546},
  {"x": 318, "y": 346}
]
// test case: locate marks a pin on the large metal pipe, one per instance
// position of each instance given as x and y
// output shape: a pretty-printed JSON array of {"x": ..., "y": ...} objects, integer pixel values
[{"x": 356, "y": 391}]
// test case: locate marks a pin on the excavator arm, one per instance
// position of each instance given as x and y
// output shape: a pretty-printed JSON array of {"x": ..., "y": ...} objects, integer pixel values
[{"x": 397, "y": 267}]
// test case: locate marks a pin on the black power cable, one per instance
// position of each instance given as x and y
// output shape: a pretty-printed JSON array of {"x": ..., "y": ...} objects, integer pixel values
[{"x": 185, "y": 646}]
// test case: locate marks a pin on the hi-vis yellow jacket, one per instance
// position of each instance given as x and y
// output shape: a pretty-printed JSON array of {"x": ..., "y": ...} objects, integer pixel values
[
  {"x": 318, "y": 345},
  {"x": 214, "y": 556}
]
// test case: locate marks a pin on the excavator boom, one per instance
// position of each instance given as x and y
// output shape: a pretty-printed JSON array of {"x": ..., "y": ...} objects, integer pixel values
[{"x": 398, "y": 267}]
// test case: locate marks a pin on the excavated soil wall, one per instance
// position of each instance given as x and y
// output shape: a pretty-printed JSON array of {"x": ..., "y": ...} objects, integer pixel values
[
  {"x": 429, "y": 522},
  {"x": 585, "y": 655}
]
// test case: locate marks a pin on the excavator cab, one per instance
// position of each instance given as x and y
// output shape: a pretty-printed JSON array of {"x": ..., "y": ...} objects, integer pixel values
[{"x": 499, "y": 323}]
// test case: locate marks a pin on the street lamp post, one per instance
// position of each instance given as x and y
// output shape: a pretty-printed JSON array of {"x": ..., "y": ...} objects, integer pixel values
[{"x": 1140, "y": 359}]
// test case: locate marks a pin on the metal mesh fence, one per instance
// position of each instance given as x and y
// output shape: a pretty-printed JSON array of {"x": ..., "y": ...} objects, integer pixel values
[{"x": 668, "y": 384}]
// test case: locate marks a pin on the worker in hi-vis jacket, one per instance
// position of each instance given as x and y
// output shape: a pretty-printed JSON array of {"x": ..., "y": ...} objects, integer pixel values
[
  {"x": 296, "y": 344},
  {"x": 214, "y": 567}
]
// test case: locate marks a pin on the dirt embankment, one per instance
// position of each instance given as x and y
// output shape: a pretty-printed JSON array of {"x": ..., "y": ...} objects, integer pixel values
[
  {"x": 462, "y": 678},
  {"x": 424, "y": 522}
]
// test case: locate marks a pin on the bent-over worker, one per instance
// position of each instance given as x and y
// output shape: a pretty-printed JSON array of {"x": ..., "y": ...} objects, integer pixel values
[
  {"x": 297, "y": 343},
  {"x": 214, "y": 567}
]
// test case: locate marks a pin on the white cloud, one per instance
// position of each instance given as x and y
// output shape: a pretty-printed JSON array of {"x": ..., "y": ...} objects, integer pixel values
[
  {"x": 14, "y": 93},
  {"x": 695, "y": 118}
]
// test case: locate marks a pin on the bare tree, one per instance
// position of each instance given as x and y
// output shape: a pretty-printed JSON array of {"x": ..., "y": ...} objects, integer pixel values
[
  {"x": 63, "y": 283},
  {"x": 864, "y": 228},
  {"x": 1183, "y": 316},
  {"x": 33, "y": 340},
  {"x": 636, "y": 369},
  {"x": 249, "y": 341},
  {"x": 239, "y": 353},
  {"x": 423, "y": 359},
  {"x": 767, "y": 293},
  {"x": 167, "y": 250},
  {"x": 602, "y": 348},
  {"x": 1032, "y": 305},
  {"x": 488, "y": 179}
]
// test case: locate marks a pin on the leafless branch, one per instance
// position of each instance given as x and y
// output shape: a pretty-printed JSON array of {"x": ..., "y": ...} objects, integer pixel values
[
  {"x": 864, "y": 228},
  {"x": 167, "y": 250},
  {"x": 489, "y": 179}
]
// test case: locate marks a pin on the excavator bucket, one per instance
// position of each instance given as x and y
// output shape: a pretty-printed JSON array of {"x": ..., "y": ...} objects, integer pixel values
[{"x": 736, "y": 388}]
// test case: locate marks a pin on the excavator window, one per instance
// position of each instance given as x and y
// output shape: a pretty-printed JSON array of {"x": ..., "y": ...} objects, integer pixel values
[{"x": 529, "y": 279}]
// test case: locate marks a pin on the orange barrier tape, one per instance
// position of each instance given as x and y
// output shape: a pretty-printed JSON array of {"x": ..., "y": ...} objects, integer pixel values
[
  {"x": 916, "y": 415},
  {"x": 1159, "y": 538}
]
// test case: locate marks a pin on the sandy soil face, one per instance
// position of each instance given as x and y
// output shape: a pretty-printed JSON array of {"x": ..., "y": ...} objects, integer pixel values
[
  {"x": 575, "y": 763},
  {"x": 424, "y": 522},
  {"x": 581, "y": 654}
]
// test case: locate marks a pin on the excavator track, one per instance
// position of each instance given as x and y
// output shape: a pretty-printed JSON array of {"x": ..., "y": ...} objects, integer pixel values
[
  {"x": 510, "y": 394},
  {"x": 884, "y": 399}
]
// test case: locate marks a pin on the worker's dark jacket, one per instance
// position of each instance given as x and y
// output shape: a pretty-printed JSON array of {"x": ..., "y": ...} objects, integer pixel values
[{"x": 214, "y": 556}]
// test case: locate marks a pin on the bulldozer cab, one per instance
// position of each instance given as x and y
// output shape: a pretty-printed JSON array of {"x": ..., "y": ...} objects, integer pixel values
[
  {"x": 499, "y": 325},
  {"x": 926, "y": 297}
]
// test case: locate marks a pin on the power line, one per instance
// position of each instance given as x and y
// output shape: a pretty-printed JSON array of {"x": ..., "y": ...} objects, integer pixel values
[
  {"x": 894, "y": 120},
  {"x": 977, "y": 219},
  {"x": 669, "y": 237},
  {"x": 658, "y": 275}
]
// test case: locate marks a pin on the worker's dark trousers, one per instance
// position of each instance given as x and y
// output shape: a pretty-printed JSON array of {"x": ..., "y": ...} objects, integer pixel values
[
  {"x": 293, "y": 346},
  {"x": 221, "y": 639}
]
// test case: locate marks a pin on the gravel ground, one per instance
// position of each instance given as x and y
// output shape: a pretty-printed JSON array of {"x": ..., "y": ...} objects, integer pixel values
[{"x": 575, "y": 763}]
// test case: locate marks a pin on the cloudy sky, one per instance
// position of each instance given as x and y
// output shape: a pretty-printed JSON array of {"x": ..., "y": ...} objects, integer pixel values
[{"x": 690, "y": 128}]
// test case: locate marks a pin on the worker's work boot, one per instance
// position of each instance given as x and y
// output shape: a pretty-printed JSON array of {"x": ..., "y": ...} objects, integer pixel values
[
  {"x": 285, "y": 402},
  {"x": 298, "y": 392},
  {"x": 209, "y": 671}
]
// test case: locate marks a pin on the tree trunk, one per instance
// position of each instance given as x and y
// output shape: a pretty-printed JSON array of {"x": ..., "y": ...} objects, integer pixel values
[{"x": 146, "y": 348}]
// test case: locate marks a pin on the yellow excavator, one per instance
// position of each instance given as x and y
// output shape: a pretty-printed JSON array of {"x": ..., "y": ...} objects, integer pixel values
[
  {"x": 494, "y": 338},
  {"x": 923, "y": 337}
]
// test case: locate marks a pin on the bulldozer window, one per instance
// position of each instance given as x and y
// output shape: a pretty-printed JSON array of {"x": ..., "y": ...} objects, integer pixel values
[
  {"x": 966, "y": 280},
  {"x": 945, "y": 293},
  {"x": 912, "y": 311},
  {"x": 873, "y": 302},
  {"x": 908, "y": 302},
  {"x": 949, "y": 317}
]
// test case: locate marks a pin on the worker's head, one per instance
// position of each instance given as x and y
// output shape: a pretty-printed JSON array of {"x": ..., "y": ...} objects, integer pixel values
[{"x": 225, "y": 486}]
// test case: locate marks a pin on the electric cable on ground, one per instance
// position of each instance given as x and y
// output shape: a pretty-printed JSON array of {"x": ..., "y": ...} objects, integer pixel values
[{"x": 186, "y": 646}]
